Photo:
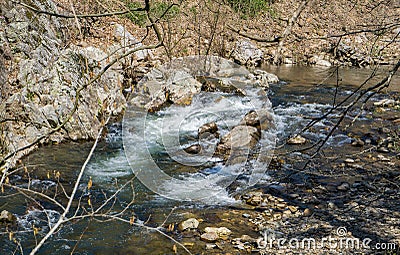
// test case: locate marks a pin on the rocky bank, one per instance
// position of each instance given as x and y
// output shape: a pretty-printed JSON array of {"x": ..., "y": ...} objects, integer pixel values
[{"x": 45, "y": 70}]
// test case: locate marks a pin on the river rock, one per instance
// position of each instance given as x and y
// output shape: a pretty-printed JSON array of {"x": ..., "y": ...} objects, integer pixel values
[
  {"x": 343, "y": 187},
  {"x": 222, "y": 232},
  {"x": 260, "y": 119},
  {"x": 246, "y": 53},
  {"x": 320, "y": 61},
  {"x": 349, "y": 160},
  {"x": 193, "y": 149},
  {"x": 255, "y": 200},
  {"x": 293, "y": 209},
  {"x": 210, "y": 246},
  {"x": 181, "y": 87},
  {"x": 208, "y": 128},
  {"x": 237, "y": 143},
  {"x": 161, "y": 86},
  {"x": 296, "y": 140},
  {"x": 265, "y": 77},
  {"x": 241, "y": 137},
  {"x": 191, "y": 223},
  {"x": 358, "y": 142},
  {"x": 209, "y": 237},
  {"x": 7, "y": 218},
  {"x": 232, "y": 72},
  {"x": 179, "y": 80},
  {"x": 307, "y": 212},
  {"x": 222, "y": 84}
]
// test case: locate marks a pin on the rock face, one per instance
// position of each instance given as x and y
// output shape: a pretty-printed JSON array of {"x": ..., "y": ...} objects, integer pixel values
[
  {"x": 246, "y": 53},
  {"x": 128, "y": 43},
  {"x": 48, "y": 77}
]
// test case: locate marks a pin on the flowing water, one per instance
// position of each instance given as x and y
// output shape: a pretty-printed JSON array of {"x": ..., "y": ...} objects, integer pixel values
[{"x": 305, "y": 93}]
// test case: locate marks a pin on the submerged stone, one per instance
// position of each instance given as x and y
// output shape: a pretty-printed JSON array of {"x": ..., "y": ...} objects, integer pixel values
[{"x": 191, "y": 223}]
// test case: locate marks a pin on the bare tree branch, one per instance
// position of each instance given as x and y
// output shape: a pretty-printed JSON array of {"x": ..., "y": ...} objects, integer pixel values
[
  {"x": 96, "y": 15},
  {"x": 255, "y": 38},
  {"x": 288, "y": 30},
  {"x": 63, "y": 216}
]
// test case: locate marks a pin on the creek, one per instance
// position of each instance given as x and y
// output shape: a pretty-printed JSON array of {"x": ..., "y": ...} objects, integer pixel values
[{"x": 303, "y": 94}]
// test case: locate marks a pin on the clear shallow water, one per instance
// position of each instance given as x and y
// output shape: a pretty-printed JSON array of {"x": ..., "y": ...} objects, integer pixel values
[{"x": 294, "y": 103}]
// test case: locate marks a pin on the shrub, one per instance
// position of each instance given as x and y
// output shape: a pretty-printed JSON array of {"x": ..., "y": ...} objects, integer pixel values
[
  {"x": 250, "y": 8},
  {"x": 157, "y": 9}
]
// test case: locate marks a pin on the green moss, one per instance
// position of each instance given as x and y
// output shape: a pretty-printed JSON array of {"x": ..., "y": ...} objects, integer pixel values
[
  {"x": 251, "y": 8},
  {"x": 193, "y": 10},
  {"x": 30, "y": 95},
  {"x": 157, "y": 10},
  {"x": 29, "y": 15},
  {"x": 137, "y": 17}
]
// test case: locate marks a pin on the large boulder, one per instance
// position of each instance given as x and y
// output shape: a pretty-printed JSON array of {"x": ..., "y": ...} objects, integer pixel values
[
  {"x": 181, "y": 87},
  {"x": 264, "y": 78},
  {"x": 235, "y": 146},
  {"x": 180, "y": 79},
  {"x": 246, "y": 53},
  {"x": 127, "y": 42},
  {"x": 160, "y": 86},
  {"x": 260, "y": 119}
]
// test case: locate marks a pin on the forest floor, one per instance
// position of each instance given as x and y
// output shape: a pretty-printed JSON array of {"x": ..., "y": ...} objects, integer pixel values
[{"x": 357, "y": 33}]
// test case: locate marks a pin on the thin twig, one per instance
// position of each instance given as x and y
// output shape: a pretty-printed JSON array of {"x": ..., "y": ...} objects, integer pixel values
[
  {"x": 72, "y": 197},
  {"x": 96, "y": 15}
]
